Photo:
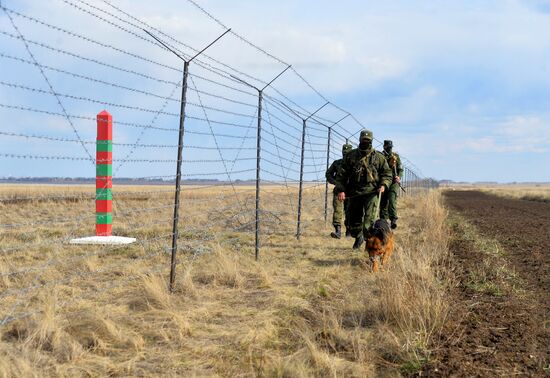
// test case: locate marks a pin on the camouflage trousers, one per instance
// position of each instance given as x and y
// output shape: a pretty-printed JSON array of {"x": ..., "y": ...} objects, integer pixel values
[
  {"x": 340, "y": 210},
  {"x": 388, "y": 204},
  {"x": 361, "y": 213}
]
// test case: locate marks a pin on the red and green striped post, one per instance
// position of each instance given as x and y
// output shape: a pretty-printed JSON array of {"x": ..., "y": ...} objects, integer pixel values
[{"x": 104, "y": 175}]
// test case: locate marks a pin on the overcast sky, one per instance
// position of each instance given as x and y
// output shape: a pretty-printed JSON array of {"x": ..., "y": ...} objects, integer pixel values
[{"x": 461, "y": 87}]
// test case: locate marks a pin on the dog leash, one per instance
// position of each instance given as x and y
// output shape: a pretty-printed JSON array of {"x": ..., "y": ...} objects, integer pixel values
[{"x": 377, "y": 208}]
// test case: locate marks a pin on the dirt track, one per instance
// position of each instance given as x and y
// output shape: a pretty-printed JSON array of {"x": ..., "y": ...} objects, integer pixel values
[{"x": 499, "y": 333}]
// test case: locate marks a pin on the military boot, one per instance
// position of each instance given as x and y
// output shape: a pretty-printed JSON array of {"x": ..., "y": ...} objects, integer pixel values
[
  {"x": 358, "y": 241},
  {"x": 337, "y": 234},
  {"x": 393, "y": 224},
  {"x": 348, "y": 233}
]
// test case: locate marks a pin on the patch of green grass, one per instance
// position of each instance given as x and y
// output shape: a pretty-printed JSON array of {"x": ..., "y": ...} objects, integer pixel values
[
  {"x": 412, "y": 367},
  {"x": 322, "y": 291},
  {"x": 486, "y": 287},
  {"x": 493, "y": 274}
]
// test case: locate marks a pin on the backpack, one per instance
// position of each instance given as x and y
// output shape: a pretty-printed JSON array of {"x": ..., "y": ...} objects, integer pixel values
[{"x": 364, "y": 169}]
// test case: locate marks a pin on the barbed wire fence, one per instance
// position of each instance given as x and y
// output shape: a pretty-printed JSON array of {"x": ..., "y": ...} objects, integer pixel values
[{"x": 250, "y": 158}]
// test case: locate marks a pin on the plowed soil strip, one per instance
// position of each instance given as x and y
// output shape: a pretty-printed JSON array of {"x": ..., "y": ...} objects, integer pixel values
[{"x": 493, "y": 333}]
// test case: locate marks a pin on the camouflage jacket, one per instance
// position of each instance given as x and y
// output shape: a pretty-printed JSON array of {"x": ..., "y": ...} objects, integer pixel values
[
  {"x": 363, "y": 173},
  {"x": 394, "y": 161},
  {"x": 333, "y": 170}
]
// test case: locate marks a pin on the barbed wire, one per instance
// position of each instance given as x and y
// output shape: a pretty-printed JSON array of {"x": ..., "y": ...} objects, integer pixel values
[
  {"x": 45, "y": 77},
  {"x": 215, "y": 204},
  {"x": 76, "y": 158},
  {"x": 136, "y": 73},
  {"x": 100, "y": 81},
  {"x": 217, "y": 61},
  {"x": 87, "y": 39},
  {"x": 182, "y": 44},
  {"x": 61, "y": 139},
  {"x": 118, "y": 122},
  {"x": 228, "y": 173}
]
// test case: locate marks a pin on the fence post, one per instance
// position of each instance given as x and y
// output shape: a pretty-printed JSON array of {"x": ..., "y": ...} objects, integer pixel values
[
  {"x": 178, "y": 176},
  {"x": 104, "y": 175},
  {"x": 258, "y": 160},
  {"x": 180, "y": 148},
  {"x": 411, "y": 182},
  {"x": 326, "y": 169},
  {"x": 407, "y": 181},
  {"x": 301, "y": 185},
  {"x": 258, "y": 156}
]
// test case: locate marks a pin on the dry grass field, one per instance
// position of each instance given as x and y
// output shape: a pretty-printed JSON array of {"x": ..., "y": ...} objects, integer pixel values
[
  {"x": 307, "y": 308},
  {"x": 534, "y": 192}
]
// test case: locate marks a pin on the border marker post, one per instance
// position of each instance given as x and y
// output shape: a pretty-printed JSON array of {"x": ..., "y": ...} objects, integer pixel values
[{"x": 104, "y": 186}]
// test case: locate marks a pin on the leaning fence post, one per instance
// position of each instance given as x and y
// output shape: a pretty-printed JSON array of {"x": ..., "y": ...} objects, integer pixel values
[{"x": 178, "y": 176}]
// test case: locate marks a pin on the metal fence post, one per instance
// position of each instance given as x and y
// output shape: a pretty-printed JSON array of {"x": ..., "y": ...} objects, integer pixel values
[
  {"x": 258, "y": 160},
  {"x": 258, "y": 157},
  {"x": 326, "y": 181},
  {"x": 178, "y": 177},
  {"x": 180, "y": 149},
  {"x": 407, "y": 183},
  {"x": 301, "y": 185}
]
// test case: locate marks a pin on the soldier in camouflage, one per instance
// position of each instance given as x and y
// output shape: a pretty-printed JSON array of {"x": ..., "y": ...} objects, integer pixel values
[
  {"x": 364, "y": 174},
  {"x": 389, "y": 198},
  {"x": 339, "y": 208}
]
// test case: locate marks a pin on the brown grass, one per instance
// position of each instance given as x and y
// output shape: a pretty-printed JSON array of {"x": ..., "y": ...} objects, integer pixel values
[
  {"x": 307, "y": 308},
  {"x": 538, "y": 193},
  {"x": 535, "y": 192}
]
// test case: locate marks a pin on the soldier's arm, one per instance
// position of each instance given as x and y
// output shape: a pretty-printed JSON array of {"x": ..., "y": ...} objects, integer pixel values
[
  {"x": 342, "y": 177},
  {"x": 399, "y": 167},
  {"x": 330, "y": 175},
  {"x": 385, "y": 173}
]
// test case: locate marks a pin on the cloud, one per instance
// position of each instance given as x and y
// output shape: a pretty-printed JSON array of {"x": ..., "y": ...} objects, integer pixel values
[{"x": 526, "y": 133}]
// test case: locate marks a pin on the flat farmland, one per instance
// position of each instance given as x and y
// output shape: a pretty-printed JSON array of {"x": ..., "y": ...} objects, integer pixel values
[{"x": 500, "y": 249}]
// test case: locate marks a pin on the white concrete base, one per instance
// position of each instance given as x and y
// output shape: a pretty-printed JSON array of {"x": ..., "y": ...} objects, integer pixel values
[{"x": 103, "y": 240}]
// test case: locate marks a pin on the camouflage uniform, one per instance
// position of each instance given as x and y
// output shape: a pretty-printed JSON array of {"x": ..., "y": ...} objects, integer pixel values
[
  {"x": 339, "y": 208},
  {"x": 363, "y": 171},
  {"x": 388, "y": 206}
]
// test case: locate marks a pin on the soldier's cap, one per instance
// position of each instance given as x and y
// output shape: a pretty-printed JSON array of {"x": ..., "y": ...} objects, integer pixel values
[
  {"x": 388, "y": 143},
  {"x": 365, "y": 134},
  {"x": 347, "y": 148}
]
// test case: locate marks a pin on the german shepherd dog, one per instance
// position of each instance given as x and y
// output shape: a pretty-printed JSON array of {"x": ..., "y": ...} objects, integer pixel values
[{"x": 379, "y": 243}]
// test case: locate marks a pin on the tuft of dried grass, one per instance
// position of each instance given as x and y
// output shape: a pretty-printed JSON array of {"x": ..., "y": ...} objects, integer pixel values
[
  {"x": 223, "y": 268},
  {"x": 413, "y": 301}
]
